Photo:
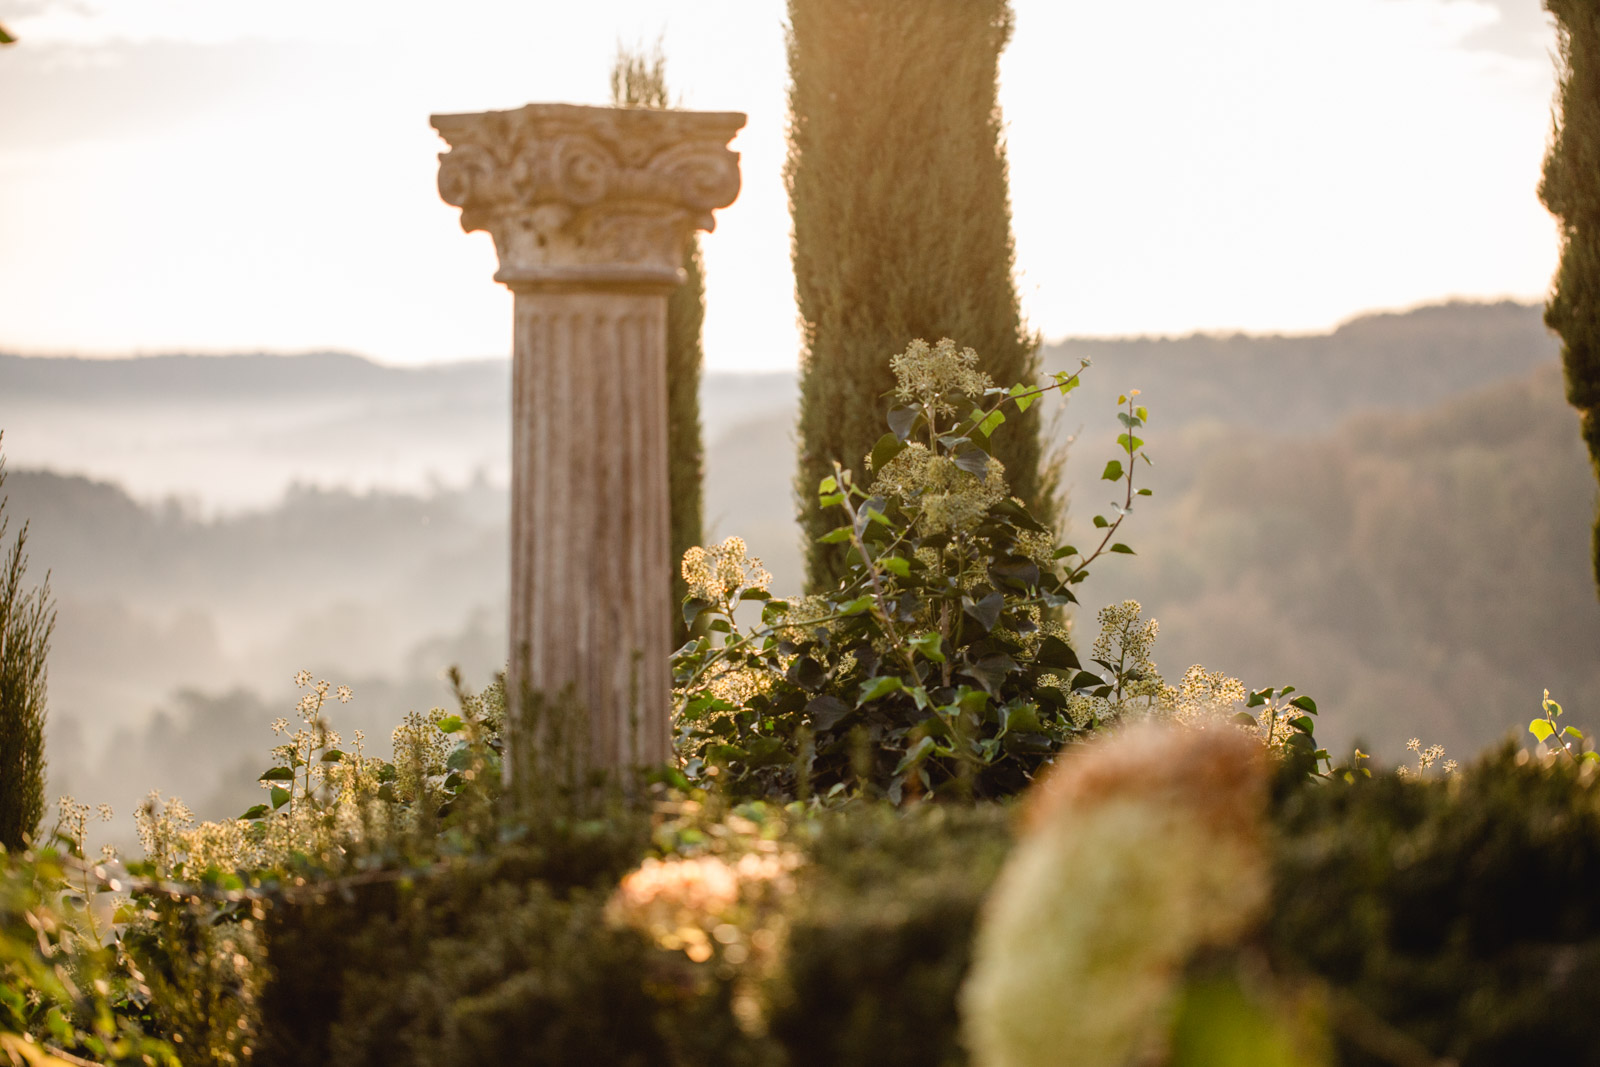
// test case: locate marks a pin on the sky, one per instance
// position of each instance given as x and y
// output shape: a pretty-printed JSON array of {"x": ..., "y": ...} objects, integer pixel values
[{"x": 250, "y": 175}]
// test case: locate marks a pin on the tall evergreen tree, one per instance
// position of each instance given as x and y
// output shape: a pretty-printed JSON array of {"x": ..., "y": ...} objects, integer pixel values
[
  {"x": 1571, "y": 190},
  {"x": 898, "y": 189},
  {"x": 27, "y": 620},
  {"x": 640, "y": 80}
]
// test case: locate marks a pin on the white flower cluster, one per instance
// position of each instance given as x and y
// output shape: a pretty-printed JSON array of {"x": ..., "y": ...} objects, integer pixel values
[
  {"x": 929, "y": 375},
  {"x": 944, "y": 497},
  {"x": 720, "y": 573}
]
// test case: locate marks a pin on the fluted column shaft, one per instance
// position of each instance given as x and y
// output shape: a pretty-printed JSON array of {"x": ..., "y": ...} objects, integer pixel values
[
  {"x": 589, "y": 521},
  {"x": 590, "y": 209}
]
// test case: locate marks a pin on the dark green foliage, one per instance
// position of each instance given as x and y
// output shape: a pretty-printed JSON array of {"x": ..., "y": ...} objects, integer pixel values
[
  {"x": 27, "y": 619},
  {"x": 639, "y": 80},
  {"x": 902, "y": 223},
  {"x": 463, "y": 961},
  {"x": 1459, "y": 911},
  {"x": 1571, "y": 190},
  {"x": 882, "y": 938},
  {"x": 934, "y": 666}
]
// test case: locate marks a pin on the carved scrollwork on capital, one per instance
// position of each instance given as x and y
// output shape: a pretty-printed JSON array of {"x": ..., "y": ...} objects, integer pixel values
[{"x": 589, "y": 194}]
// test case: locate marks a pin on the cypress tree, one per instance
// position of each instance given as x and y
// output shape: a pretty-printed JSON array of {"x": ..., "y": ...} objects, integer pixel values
[
  {"x": 897, "y": 185},
  {"x": 1571, "y": 190},
  {"x": 639, "y": 80},
  {"x": 27, "y": 620}
]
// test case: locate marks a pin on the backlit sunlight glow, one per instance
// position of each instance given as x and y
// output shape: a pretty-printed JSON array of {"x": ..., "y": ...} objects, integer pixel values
[{"x": 260, "y": 176}]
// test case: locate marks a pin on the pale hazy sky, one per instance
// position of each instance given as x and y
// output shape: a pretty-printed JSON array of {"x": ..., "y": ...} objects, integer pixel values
[{"x": 223, "y": 175}]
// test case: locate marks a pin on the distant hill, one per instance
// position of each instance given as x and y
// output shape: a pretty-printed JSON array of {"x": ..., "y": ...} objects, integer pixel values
[
  {"x": 1393, "y": 515},
  {"x": 1394, "y": 361}
]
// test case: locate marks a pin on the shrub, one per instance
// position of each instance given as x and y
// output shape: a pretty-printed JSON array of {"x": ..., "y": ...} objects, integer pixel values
[
  {"x": 27, "y": 620},
  {"x": 1455, "y": 915},
  {"x": 881, "y": 938},
  {"x": 936, "y": 665}
]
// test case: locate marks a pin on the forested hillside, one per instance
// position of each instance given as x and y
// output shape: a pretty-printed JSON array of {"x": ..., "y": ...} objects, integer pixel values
[{"x": 1405, "y": 538}]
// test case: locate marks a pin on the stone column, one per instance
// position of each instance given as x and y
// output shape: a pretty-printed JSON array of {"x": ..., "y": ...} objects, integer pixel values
[{"x": 590, "y": 209}]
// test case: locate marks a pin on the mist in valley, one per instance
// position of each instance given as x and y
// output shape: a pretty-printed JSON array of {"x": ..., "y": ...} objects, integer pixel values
[{"x": 1393, "y": 517}]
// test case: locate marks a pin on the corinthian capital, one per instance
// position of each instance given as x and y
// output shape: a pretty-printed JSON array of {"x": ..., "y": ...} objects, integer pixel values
[{"x": 588, "y": 195}]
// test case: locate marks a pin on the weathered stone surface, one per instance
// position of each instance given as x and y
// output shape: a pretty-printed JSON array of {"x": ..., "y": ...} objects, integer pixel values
[
  {"x": 589, "y": 209},
  {"x": 586, "y": 195}
]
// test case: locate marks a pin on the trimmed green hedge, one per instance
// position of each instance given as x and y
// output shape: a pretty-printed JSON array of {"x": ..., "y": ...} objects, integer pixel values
[{"x": 1459, "y": 915}]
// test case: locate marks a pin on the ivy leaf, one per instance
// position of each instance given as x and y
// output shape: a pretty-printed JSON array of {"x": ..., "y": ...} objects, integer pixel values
[
  {"x": 333, "y": 755},
  {"x": 1305, "y": 704},
  {"x": 1024, "y": 395},
  {"x": 929, "y": 646},
  {"x": 450, "y": 724},
  {"x": 278, "y": 774},
  {"x": 914, "y": 755},
  {"x": 256, "y": 812},
  {"x": 692, "y": 609},
  {"x": 1113, "y": 471},
  {"x": 856, "y": 606},
  {"x": 280, "y": 797},
  {"x": 896, "y": 565},
  {"x": 991, "y": 422},
  {"x": 985, "y": 611},
  {"x": 1244, "y": 718},
  {"x": 830, "y": 484},
  {"x": 888, "y": 447},
  {"x": 972, "y": 459},
  {"x": 1541, "y": 729},
  {"x": 901, "y": 421},
  {"x": 1057, "y": 654},
  {"x": 826, "y": 711},
  {"x": 876, "y": 688},
  {"x": 836, "y": 536}
]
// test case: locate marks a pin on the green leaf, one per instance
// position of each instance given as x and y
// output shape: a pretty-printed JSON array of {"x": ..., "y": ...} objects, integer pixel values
[
  {"x": 876, "y": 688},
  {"x": 1024, "y": 396},
  {"x": 991, "y": 422},
  {"x": 972, "y": 459},
  {"x": 755, "y": 594},
  {"x": 1141, "y": 413},
  {"x": 280, "y": 797},
  {"x": 1573, "y": 731},
  {"x": 1129, "y": 442},
  {"x": 450, "y": 724},
  {"x": 836, "y": 536},
  {"x": 856, "y": 606},
  {"x": 1304, "y": 703},
  {"x": 902, "y": 420},
  {"x": 278, "y": 774},
  {"x": 333, "y": 755},
  {"x": 1304, "y": 724},
  {"x": 6, "y": 38},
  {"x": 929, "y": 646},
  {"x": 1100, "y": 522},
  {"x": 888, "y": 447},
  {"x": 1541, "y": 729},
  {"x": 830, "y": 484},
  {"x": 826, "y": 711},
  {"x": 830, "y": 500},
  {"x": 896, "y": 565},
  {"x": 915, "y": 755},
  {"x": 1113, "y": 472},
  {"x": 692, "y": 609},
  {"x": 1123, "y": 549},
  {"x": 1592, "y": 757},
  {"x": 1244, "y": 718},
  {"x": 256, "y": 812},
  {"x": 985, "y": 611},
  {"x": 1144, "y": 492}
]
